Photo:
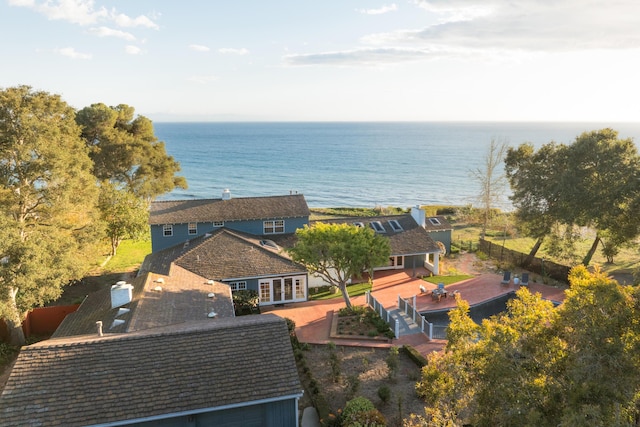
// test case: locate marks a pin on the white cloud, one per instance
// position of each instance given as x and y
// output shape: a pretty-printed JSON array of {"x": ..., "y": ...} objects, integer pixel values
[
  {"x": 132, "y": 50},
  {"x": 199, "y": 48},
  {"x": 110, "y": 32},
  {"x": 532, "y": 25},
  {"x": 83, "y": 12},
  {"x": 364, "y": 57},
  {"x": 384, "y": 9},
  {"x": 202, "y": 79},
  {"x": 70, "y": 52},
  {"x": 123, "y": 20},
  {"x": 231, "y": 51}
]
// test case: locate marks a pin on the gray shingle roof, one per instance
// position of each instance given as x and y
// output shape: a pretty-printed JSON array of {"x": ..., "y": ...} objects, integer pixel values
[
  {"x": 224, "y": 255},
  {"x": 88, "y": 380},
  {"x": 439, "y": 224},
  {"x": 234, "y": 209},
  {"x": 184, "y": 297},
  {"x": 410, "y": 240}
]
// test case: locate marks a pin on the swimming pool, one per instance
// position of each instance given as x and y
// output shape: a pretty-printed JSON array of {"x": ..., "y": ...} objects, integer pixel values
[{"x": 479, "y": 311}]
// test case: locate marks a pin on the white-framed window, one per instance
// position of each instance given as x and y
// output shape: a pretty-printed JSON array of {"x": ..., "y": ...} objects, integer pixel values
[
  {"x": 377, "y": 225},
  {"x": 273, "y": 227},
  {"x": 265, "y": 291},
  {"x": 238, "y": 286},
  {"x": 193, "y": 228},
  {"x": 434, "y": 221},
  {"x": 299, "y": 289},
  {"x": 395, "y": 225},
  {"x": 218, "y": 223},
  {"x": 167, "y": 230}
]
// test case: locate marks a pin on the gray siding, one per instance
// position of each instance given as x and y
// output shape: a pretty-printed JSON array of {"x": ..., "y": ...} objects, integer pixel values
[{"x": 442, "y": 236}]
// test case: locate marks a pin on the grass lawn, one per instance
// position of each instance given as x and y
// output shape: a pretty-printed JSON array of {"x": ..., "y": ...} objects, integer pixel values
[
  {"x": 129, "y": 256},
  {"x": 447, "y": 280},
  {"x": 354, "y": 290}
]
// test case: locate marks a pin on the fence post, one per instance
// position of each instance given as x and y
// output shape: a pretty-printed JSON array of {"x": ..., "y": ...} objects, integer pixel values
[
  {"x": 397, "y": 329},
  {"x": 430, "y": 331},
  {"x": 366, "y": 297},
  {"x": 415, "y": 308}
]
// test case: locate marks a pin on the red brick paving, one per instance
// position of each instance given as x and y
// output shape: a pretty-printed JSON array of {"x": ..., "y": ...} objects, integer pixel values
[{"x": 313, "y": 318}]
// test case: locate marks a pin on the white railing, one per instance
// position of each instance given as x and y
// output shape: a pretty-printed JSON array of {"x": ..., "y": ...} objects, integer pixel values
[
  {"x": 383, "y": 312},
  {"x": 409, "y": 308}
]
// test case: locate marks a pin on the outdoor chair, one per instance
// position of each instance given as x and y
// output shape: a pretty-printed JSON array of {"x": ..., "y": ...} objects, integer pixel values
[
  {"x": 506, "y": 279},
  {"x": 422, "y": 289},
  {"x": 525, "y": 279}
]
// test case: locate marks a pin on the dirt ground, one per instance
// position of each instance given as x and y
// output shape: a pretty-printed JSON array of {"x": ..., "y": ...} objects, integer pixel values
[{"x": 369, "y": 366}]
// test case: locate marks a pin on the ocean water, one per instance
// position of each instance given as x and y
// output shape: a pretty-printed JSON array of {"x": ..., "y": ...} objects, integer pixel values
[{"x": 351, "y": 164}]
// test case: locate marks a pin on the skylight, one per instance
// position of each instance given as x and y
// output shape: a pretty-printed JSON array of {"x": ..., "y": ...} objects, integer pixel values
[
  {"x": 377, "y": 225},
  {"x": 395, "y": 225},
  {"x": 434, "y": 221}
]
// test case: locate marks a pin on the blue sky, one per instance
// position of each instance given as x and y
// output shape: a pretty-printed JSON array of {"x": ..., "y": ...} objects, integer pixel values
[{"x": 332, "y": 60}]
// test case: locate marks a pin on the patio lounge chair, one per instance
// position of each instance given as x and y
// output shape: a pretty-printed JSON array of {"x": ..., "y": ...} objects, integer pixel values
[
  {"x": 525, "y": 279},
  {"x": 506, "y": 279}
]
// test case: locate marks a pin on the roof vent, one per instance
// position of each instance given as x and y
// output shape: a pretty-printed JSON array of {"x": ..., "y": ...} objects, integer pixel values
[
  {"x": 226, "y": 194},
  {"x": 99, "y": 327},
  {"x": 211, "y": 295},
  {"x": 158, "y": 289},
  {"x": 159, "y": 280},
  {"x": 269, "y": 244},
  {"x": 212, "y": 314},
  {"x": 121, "y": 294},
  {"x": 210, "y": 282}
]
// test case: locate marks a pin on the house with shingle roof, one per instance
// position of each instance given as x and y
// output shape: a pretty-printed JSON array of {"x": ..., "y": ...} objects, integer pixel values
[
  {"x": 240, "y": 260},
  {"x": 411, "y": 245},
  {"x": 223, "y": 372},
  {"x": 174, "y": 222},
  {"x": 438, "y": 227}
]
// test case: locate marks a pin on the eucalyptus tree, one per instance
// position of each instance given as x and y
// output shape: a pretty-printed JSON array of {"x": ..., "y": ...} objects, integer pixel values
[
  {"x": 47, "y": 202},
  {"x": 125, "y": 150},
  {"x": 338, "y": 252}
]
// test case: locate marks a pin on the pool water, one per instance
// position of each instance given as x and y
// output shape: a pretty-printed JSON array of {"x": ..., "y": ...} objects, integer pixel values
[{"x": 477, "y": 312}]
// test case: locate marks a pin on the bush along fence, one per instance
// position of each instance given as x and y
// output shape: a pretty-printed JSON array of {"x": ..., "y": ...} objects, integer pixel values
[
  {"x": 541, "y": 266},
  {"x": 375, "y": 305},
  {"x": 409, "y": 308}
]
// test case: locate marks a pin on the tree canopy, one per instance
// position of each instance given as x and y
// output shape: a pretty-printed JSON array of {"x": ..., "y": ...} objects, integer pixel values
[
  {"x": 536, "y": 365},
  {"x": 594, "y": 182},
  {"x": 338, "y": 252},
  {"x": 47, "y": 201},
  {"x": 126, "y": 151},
  {"x": 124, "y": 214}
]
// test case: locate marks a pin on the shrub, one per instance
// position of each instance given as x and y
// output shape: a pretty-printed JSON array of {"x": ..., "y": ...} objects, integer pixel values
[
  {"x": 384, "y": 393},
  {"x": 246, "y": 302},
  {"x": 362, "y": 418},
  {"x": 392, "y": 361},
  {"x": 353, "y": 382},
  {"x": 355, "y": 405},
  {"x": 414, "y": 355}
]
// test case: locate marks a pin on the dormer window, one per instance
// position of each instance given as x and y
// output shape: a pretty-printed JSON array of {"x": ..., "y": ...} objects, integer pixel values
[
  {"x": 395, "y": 225},
  {"x": 377, "y": 225},
  {"x": 434, "y": 221}
]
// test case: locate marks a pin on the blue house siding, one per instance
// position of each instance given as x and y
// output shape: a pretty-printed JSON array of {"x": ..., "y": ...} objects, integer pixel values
[
  {"x": 274, "y": 414},
  {"x": 443, "y": 236},
  {"x": 180, "y": 231}
]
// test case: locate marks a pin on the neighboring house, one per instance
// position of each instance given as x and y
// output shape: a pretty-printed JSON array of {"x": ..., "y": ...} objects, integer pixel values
[
  {"x": 440, "y": 230},
  {"x": 223, "y": 372},
  {"x": 411, "y": 245},
  {"x": 174, "y": 222},
  {"x": 240, "y": 260}
]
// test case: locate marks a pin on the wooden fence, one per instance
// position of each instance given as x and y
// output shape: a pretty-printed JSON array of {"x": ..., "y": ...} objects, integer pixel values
[
  {"x": 541, "y": 266},
  {"x": 41, "y": 321}
]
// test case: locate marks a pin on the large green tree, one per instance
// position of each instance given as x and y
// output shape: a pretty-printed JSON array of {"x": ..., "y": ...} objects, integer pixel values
[
  {"x": 338, "y": 252},
  {"x": 47, "y": 202},
  {"x": 125, "y": 150},
  {"x": 536, "y": 365},
  {"x": 124, "y": 214},
  {"x": 594, "y": 182}
]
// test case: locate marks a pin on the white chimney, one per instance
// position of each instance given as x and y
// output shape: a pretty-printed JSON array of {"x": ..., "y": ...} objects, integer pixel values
[
  {"x": 419, "y": 216},
  {"x": 226, "y": 194},
  {"x": 121, "y": 294}
]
